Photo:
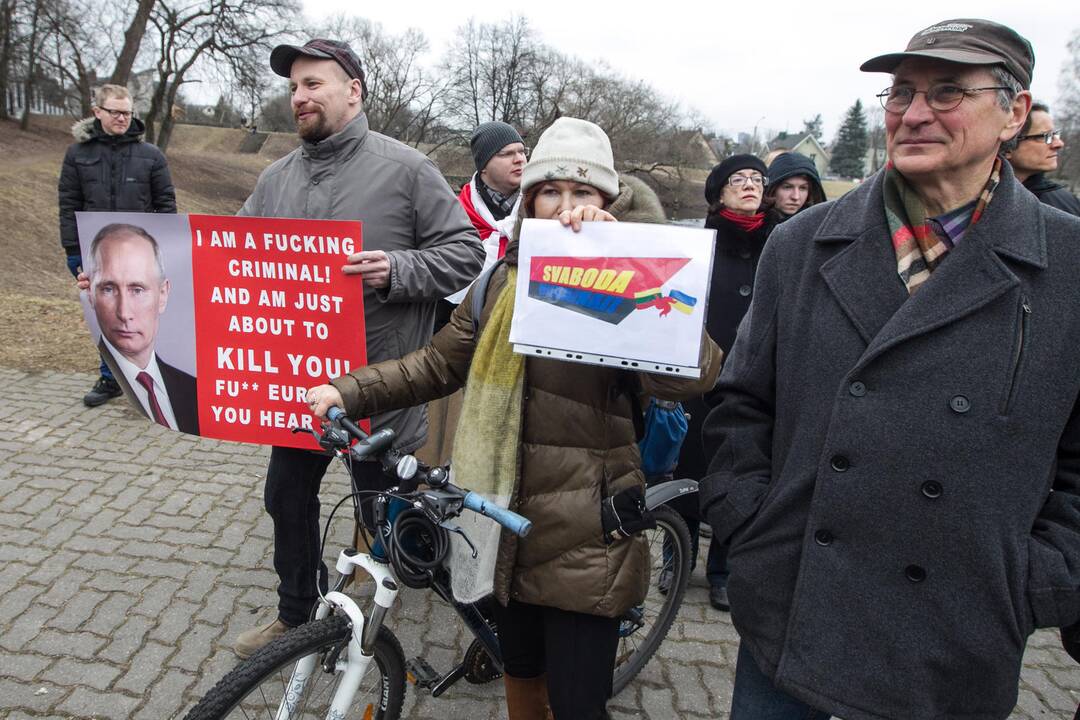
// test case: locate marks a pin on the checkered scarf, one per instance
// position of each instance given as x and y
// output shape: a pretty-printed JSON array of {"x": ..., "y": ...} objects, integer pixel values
[{"x": 919, "y": 248}]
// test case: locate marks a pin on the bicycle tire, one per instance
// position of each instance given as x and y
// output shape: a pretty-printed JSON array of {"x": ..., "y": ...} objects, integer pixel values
[
  {"x": 659, "y": 610},
  {"x": 269, "y": 670}
]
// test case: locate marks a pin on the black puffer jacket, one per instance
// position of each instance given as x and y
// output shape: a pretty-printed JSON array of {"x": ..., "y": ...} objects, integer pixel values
[
  {"x": 105, "y": 172},
  {"x": 1053, "y": 194},
  {"x": 730, "y": 290}
]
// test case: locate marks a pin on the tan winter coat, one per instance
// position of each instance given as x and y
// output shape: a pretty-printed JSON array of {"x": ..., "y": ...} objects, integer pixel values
[{"x": 577, "y": 447}]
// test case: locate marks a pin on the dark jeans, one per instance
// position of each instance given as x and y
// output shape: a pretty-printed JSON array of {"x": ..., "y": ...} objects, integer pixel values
[
  {"x": 576, "y": 650},
  {"x": 74, "y": 263},
  {"x": 292, "y": 499},
  {"x": 756, "y": 698}
]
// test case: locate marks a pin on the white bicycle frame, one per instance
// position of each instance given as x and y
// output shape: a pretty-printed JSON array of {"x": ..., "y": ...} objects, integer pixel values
[{"x": 357, "y": 661}]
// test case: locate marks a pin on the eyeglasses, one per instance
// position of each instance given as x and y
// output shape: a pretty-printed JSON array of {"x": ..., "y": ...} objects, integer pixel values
[
  {"x": 118, "y": 114},
  {"x": 509, "y": 154},
  {"x": 740, "y": 180},
  {"x": 942, "y": 98},
  {"x": 1047, "y": 137}
]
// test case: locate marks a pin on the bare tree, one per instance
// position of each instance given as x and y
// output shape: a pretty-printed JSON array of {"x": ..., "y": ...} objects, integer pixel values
[
  {"x": 132, "y": 41},
  {"x": 489, "y": 68},
  {"x": 8, "y": 40},
  {"x": 218, "y": 30},
  {"x": 31, "y": 54},
  {"x": 1067, "y": 114}
]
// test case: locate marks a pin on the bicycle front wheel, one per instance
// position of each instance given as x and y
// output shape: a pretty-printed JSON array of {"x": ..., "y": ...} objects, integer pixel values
[
  {"x": 644, "y": 627},
  {"x": 258, "y": 686}
]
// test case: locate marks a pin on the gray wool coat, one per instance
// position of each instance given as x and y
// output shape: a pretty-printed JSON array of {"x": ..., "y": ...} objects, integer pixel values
[
  {"x": 900, "y": 477},
  {"x": 408, "y": 211}
]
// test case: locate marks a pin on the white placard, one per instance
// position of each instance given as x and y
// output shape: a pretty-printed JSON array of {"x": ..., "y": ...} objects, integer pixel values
[{"x": 625, "y": 294}]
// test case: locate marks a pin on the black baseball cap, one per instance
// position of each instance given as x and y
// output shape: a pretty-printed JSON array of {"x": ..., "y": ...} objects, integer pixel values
[
  {"x": 966, "y": 41},
  {"x": 283, "y": 56}
]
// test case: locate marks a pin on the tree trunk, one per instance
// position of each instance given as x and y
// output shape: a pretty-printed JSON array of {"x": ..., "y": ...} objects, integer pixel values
[
  {"x": 132, "y": 40},
  {"x": 7, "y": 9},
  {"x": 31, "y": 56}
]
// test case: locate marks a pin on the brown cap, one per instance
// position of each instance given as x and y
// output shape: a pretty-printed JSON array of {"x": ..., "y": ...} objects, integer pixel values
[
  {"x": 283, "y": 56},
  {"x": 965, "y": 41}
]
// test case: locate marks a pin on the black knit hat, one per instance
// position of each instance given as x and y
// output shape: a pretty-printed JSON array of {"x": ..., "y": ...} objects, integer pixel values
[
  {"x": 714, "y": 185},
  {"x": 489, "y": 138}
]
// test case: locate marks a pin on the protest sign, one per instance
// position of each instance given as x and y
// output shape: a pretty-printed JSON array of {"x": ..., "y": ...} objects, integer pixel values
[
  {"x": 216, "y": 326},
  {"x": 623, "y": 294}
]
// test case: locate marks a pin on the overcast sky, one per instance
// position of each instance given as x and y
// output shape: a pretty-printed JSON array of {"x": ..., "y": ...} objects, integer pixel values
[{"x": 741, "y": 64}]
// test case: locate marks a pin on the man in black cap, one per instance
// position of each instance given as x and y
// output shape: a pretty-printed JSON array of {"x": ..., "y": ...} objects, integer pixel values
[
  {"x": 896, "y": 444},
  {"x": 418, "y": 247}
]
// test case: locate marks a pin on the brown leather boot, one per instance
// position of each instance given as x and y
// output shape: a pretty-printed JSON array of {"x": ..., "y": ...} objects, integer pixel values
[{"x": 527, "y": 698}]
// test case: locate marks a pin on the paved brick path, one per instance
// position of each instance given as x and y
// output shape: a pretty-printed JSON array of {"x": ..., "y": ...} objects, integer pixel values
[{"x": 131, "y": 556}]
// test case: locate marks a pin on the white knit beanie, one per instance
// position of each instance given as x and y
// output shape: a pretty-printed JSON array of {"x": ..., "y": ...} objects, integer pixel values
[{"x": 576, "y": 150}]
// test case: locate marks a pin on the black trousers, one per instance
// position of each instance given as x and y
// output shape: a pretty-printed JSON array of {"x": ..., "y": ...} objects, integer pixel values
[
  {"x": 576, "y": 650},
  {"x": 291, "y": 496}
]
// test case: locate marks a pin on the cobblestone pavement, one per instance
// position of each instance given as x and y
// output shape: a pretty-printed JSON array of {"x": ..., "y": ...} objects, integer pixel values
[{"x": 131, "y": 556}]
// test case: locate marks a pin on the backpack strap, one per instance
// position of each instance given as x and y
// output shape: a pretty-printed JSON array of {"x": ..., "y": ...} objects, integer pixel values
[{"x": 479, "y": 295}]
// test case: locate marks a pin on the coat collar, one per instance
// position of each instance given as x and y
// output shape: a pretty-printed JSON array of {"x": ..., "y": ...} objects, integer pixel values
[
  {"x": 862, "y": 276},
  {"x": 340, "y": 143}
]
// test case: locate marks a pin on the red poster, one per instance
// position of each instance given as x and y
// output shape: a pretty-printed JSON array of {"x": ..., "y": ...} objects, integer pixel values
[{"x": 274, "y": 315}]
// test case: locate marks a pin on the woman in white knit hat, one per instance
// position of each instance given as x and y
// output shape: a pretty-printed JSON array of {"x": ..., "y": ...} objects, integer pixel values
[{"x": 553, "y": 439}]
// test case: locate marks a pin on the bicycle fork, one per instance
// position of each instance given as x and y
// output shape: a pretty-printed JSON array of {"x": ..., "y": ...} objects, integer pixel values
[{"x": 361, "y": 644}]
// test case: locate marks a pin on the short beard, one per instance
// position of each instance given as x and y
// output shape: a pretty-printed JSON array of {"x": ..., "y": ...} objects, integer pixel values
[{"x": 316, "y": 132}]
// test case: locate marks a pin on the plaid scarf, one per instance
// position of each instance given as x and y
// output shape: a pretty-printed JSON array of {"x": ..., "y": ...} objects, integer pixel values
[
  {"x": 919, "y": 246},
  {"x": 500, "y": 205}
]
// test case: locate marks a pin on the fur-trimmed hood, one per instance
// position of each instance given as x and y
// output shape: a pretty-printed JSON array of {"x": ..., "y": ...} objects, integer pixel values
[{"x": 89, "y": 129}]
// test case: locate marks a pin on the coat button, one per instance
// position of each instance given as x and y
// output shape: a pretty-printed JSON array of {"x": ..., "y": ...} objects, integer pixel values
[
  {"x": 960, "y": 404},
  {"x": 745, "y": 290},
  {"x": 931, "y": 489},
  {"x": 839, "y": 463},
  {"x": 915, "y": 573},
  {"x": 823, "y": 538},
  {"x": 744, "y": 254},
  {"x": 857, "y": 389}
]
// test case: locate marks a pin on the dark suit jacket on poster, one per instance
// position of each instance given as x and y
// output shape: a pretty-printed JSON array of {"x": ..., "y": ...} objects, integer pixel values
[{"x": 179, "y": 386}]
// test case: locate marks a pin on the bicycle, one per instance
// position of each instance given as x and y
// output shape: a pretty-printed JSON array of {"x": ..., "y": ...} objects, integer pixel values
[{"x": 345, "y": 664}]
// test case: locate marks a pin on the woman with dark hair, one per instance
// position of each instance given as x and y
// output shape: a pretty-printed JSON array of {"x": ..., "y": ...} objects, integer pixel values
[
  {"x": 734, "y": 193},
  {"x": 794, "y": 185},
  {"x": 554, "y": 439}
]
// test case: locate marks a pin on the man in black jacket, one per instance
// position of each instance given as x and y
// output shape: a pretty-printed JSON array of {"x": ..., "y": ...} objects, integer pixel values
[
  {"x": 1033, "y": 153},
  {"x": 110, "y": 168}
]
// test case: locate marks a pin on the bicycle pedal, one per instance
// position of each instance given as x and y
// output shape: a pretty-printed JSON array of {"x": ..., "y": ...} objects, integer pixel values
[{"x": 420, "y": 673}]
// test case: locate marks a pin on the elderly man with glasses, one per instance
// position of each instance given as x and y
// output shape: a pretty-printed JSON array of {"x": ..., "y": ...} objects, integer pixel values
[
  {"x": 895, "y": 439},
  {"x": 110, "y": 168},
  {"x": 1033, "y": 153}
]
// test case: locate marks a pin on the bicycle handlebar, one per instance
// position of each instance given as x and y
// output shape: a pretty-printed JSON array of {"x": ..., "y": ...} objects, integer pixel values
[
  {"x": 520, "y": 526},
  {"x": 379, "y": 443}
]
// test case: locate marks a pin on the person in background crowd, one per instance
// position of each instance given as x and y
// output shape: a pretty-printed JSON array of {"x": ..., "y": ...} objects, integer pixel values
[
  {"x": 1033, "y": 153},
  {"x": 733, "y": 191},
  {"x": 896, "y": 444},
  {"x": 557, "y": 437},
  {"x": 418, "y": 247},
  {"x": 794, "y": 185},
  {"x": 490, "y": 199},
  {"x": 109, "y": 168}
]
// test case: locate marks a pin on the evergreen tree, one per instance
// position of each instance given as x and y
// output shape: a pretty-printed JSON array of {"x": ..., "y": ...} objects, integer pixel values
[
  {"x": 813, "y": 126},
  {"x": 849, "y": 150}
]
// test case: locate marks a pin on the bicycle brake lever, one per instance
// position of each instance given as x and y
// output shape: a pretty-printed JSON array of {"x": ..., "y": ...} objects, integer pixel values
[{"x": 455, "y": 529}]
